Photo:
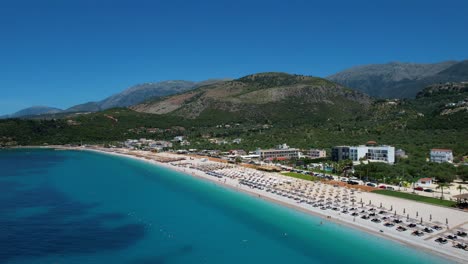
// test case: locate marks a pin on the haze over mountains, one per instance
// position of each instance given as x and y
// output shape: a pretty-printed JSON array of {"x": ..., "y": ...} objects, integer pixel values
[{"x": 390, "y": 80}]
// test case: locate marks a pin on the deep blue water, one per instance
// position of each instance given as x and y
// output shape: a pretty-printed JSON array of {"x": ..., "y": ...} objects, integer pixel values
[{"x": 83, "y": 207}]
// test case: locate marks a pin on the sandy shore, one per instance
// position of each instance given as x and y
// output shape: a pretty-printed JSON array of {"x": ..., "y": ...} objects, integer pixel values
[{"x": 431, "y": 215}]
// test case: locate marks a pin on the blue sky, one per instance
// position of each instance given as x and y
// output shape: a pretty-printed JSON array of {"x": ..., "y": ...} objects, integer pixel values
[{"x": 61, "y": 53}]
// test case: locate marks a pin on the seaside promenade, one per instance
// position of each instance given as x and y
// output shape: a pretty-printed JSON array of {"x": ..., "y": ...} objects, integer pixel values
[{"x": 437, "y": 229}]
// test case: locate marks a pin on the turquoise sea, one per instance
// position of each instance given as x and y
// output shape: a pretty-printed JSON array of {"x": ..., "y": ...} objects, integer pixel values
[{"x": 84, "y": 207}]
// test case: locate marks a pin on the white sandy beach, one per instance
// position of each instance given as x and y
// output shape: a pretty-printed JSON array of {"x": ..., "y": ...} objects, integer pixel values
[{"x": 233, "y": 175}]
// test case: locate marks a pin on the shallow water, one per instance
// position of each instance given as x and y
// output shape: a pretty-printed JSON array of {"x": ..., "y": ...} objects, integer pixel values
[{"x": 83, "y": 207}]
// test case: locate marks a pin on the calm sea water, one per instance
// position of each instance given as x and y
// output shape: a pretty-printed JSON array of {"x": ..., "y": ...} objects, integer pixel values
[{"x": 82, "y": 207}]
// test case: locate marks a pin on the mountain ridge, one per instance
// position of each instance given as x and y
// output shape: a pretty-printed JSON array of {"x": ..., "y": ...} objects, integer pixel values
[
  {"x": 256, "y": 95},
  {"x": 400, "y": 80},
  {"x": 132, "y": 95},
  {"x": 33, "y": 110}
]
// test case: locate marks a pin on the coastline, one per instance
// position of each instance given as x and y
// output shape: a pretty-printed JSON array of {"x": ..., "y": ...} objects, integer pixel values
[{"x": 453, "y": 255}]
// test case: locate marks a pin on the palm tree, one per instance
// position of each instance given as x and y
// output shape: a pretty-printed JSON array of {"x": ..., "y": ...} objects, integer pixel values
[
  {"x": 441, "y": 186},
  {"x": 461, "y": 188}
]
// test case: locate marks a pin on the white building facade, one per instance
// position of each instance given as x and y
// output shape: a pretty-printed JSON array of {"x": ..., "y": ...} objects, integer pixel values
[
  {"x": 441, "y": 155},
  {"x": 373, "y": 153},
  {"x": 281, "y": 151}
]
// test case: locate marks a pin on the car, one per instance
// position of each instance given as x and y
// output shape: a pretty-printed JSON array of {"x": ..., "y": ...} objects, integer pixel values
[
  {"x": 428, "y": 190},
  {"x": 383, "y": 187},
  {"x": 371, "y": 184},
  {"x": 390, "y": 188},
  {"x": 419, "y": 188},
  {"x": 353, "y": 182}
]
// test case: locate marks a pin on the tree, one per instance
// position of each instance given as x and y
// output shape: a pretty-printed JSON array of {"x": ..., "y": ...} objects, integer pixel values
[
  {"x": 461, "y": 188},
  {"x": 441, "y": 186},
  {"x": 462, "y": 172},
  {"x": 441, "y": 172}
]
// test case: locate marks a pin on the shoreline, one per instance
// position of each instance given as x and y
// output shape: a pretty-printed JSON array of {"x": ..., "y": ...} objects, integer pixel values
[{"x": 455, "y": 256}]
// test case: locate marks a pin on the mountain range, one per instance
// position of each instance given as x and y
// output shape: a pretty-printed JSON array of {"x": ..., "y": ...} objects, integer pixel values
[
  {"x": 131, "y": 96},
  {"x": 264, "y": 109},
  {"x": 390, "y": 80},
  {"x": 400, "y": 80}
]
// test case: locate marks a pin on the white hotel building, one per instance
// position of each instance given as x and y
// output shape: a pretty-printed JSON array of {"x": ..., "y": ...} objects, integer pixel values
[
  {"x": 373, "y": 153},
  {"x": 280, "y": 152},
  {"x": 441, "y": 155}
]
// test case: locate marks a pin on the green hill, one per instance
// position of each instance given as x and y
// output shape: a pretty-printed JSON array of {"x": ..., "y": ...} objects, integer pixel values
[
  {"x": 275, "y": 97},
  {"x": 264, "y": 110}
]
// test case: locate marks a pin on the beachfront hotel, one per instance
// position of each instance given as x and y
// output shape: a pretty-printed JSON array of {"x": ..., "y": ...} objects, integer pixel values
[
  {"x": 441, "y": 155},
  {"x": 317, "y": 153},
  {"x": 280, "y": 152},
  {"x": 373, "y": 153},
  {"x": 340, "y": 153},
  {"x": 369, "y": 152}
]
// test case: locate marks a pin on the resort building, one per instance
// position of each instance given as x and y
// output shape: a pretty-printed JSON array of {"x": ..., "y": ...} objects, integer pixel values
[
  {"x": 340, "y": 153},
  {"x": 280, "y": 152},
  {"x": 373, "y": 153},
  {"x": 441, "y": 155},
  {"x": 317, "y": 153}
]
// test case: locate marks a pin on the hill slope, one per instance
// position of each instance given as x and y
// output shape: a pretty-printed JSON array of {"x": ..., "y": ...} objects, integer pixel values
[
  {"x": 139, "y": 93},
  {"x": 400, "y": 80},
  {"x": 131, "y": 96},
  {"x": 262, "y": 96}
]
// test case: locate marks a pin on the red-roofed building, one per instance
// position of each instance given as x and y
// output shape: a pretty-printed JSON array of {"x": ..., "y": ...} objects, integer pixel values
[
  {"x": 440, "y": 155},
  {"x": 425, "y": 182}
]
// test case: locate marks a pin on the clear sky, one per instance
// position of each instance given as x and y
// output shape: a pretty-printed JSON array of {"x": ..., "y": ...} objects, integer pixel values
[{"x": 61, "y": 53}]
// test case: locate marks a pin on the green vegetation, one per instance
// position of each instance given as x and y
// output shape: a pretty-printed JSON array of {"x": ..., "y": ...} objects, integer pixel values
[
  {"x": 300, "y": 176},
  {"x": 406, "y": 170},
  {"x": 319, "y": 116},
  {"x": 462, "y": 172},
  {"x": 418, "y": 198}
]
